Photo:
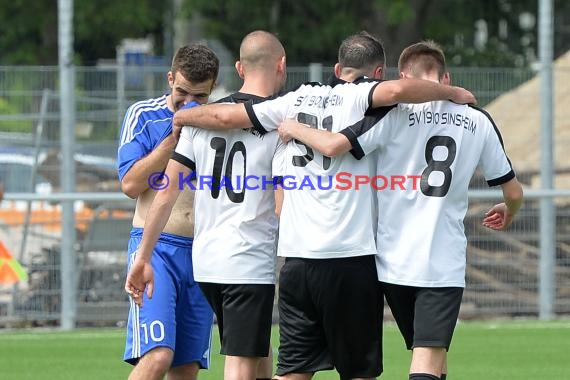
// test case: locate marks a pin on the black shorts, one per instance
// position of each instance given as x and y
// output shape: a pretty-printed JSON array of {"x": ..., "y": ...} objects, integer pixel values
[
  {"x": 426, "y": 317},
  {"x": 330, "y": 316},
  {"x": 244, "y": 315}
]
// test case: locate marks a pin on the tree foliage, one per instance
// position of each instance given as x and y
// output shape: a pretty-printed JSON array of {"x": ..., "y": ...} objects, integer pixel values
[
  {"x": 29, "y": 29},
  {"x": 101, "y": 25},
  {"x": 310, "y": 30}
]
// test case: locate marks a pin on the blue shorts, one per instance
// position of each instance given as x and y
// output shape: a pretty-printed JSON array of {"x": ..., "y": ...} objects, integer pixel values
[{"x": 178, "y": 316}]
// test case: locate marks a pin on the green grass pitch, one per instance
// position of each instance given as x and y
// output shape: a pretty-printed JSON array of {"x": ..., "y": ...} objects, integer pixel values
[{"x": 480, "y": 350}]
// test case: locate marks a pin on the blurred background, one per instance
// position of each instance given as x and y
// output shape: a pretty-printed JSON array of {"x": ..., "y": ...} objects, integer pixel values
[{"x": 58, "y": 146}]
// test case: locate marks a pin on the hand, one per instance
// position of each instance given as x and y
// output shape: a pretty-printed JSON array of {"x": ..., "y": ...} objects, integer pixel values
[
  {"x": 463, "y": 96},
  {"x": 498, "y": 217},
  {"x": 176, "y": 130},
  {"x": 139, "y": 278},
  {"x": 287, "y": 129}
]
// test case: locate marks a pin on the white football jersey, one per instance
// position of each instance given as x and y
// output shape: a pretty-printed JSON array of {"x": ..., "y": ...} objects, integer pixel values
[
  {"x": 235, "y": 223},
  {"x": 427, "y": 154},
  {"x": 319, "y": 220}
]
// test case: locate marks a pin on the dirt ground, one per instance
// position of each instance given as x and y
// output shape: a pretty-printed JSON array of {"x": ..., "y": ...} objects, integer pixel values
[{"x": 517, "y": 115}]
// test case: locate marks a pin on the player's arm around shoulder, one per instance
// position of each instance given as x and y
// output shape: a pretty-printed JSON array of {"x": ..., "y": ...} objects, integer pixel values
[
  {"x": 500, "y": 216},
  {"x": 412, "y": 90},
  {"x": 212, "y": 116},
  {"x": 327, "y": 143}
]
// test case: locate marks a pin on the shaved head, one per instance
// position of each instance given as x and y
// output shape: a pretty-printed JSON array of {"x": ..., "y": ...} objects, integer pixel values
[{"x": 260, "y": 50}]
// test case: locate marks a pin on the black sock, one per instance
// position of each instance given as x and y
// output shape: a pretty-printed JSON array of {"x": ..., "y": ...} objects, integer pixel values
[
  {"x": 423, "y": 376},
  {"x": 443, "y": 376}
]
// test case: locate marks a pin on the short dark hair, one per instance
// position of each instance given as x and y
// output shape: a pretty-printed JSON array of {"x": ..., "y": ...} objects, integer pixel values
[
  {"x": 422, "y": 57},
  {"x": 361, "y": 51},
  {"x": 196, "y": 62}
]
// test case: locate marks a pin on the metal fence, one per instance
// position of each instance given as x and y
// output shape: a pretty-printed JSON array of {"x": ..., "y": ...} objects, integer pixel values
[
  {"x": 104, "y": 93},
  {"x": 503, "y": 268},
  {"x": 34, "y": 238}
]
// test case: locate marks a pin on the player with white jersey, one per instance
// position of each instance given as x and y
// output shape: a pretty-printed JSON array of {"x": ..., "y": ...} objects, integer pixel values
[
  {"x": 235, "y": 235},
  {"x": 246, "y": 233},
  {"x": 234, "y": 251},
  {"x": 328, "y": 317},
  {"x": 440, "y": 144},
  {"x": 426, "y": 156},
  {"x": 311, "y": 211}
]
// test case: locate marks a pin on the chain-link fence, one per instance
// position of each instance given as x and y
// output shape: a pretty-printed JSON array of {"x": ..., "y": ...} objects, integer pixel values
[{"x": 101, "y": 98}]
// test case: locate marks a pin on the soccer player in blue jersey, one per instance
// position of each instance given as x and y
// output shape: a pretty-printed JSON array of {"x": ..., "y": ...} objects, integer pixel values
[
  {"x": 234, "y": 256},
  {"x": 171, "y": 335}
]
